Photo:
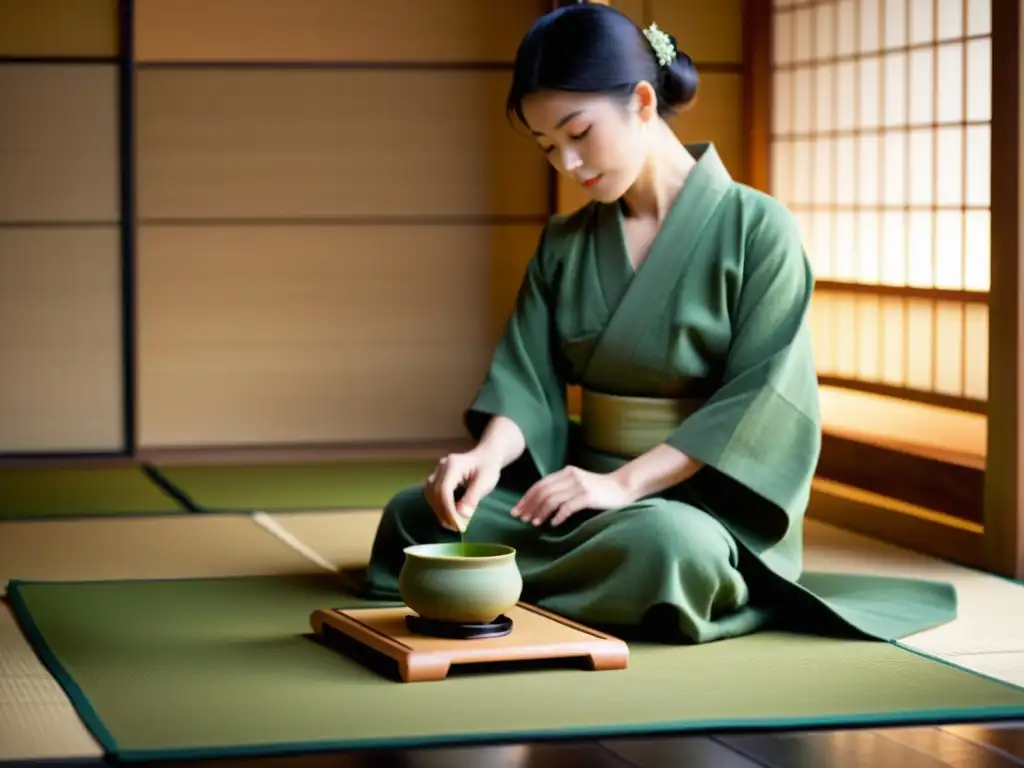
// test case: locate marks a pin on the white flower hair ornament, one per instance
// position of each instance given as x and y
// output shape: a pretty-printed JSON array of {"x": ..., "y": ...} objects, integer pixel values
[{"x": 662, "y": 44}]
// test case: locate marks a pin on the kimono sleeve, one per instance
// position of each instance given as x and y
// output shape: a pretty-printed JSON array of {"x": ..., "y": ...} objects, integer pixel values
[
  {"x": 525, "y": 382},
  {"x": 762, "y": 427}
]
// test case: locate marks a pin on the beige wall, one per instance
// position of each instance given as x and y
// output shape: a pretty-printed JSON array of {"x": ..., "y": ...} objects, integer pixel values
[
  {"x": 316, "y": 229},
  {"x": 58, "y": 28},
  {"x": 333, "y": 213},
  {"x": 60, "y": 305}
]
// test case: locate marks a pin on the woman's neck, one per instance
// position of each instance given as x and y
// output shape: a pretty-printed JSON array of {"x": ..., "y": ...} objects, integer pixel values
[{"x": 661, "y": 178}]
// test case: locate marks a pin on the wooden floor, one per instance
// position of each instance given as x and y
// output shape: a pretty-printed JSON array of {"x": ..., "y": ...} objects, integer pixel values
[{"x": 998, "y": 745}]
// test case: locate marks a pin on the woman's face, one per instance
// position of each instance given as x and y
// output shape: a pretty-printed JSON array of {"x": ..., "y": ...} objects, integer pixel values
[{"x": 596, "y": 140}]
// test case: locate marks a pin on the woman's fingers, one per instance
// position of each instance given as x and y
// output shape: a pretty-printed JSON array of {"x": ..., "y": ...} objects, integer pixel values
[
  {"x": 449, "y": 482},
  {"x": 477, "y": 475},
  {"x": 440, "y": 492},
  {"x": 538, "y": 497}
]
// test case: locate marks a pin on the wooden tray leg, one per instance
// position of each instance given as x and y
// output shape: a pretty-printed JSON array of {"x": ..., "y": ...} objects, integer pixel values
[
  {"x": 421, "y": 669},
  {"x": 614, "y": 657}
]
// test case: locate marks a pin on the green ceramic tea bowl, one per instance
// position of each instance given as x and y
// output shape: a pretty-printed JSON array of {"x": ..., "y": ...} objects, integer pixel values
[{"x": 471, "y": 583}]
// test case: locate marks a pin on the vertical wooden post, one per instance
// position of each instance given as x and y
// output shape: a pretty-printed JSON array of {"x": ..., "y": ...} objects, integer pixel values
[
  {"x": 1004, "y": 496},
  {"x": 757, "y": 90}
]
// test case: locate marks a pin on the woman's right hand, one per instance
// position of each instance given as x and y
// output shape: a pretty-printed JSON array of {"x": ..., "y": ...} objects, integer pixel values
[{"x": 476, "y": 471}]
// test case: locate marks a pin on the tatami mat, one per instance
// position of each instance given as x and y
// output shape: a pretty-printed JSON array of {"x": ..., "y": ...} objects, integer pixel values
[
  {"x": 156, "y": 547},
  {"x": 337, "y": 540},
  {"x": 60, "y": 492},
  {"x": 36, "y": 717},
  {"x": 991, "y": 609},
  {"x": 991, "y": 616},
  {"x": 1005, "y": 666}
]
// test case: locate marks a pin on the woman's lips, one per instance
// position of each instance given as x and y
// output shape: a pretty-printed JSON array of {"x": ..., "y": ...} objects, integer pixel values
[{"x": 591, "y": 181}]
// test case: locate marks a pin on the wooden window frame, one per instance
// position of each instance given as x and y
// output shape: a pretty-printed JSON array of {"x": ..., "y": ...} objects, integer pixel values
[{"x": 887, "y": 491}]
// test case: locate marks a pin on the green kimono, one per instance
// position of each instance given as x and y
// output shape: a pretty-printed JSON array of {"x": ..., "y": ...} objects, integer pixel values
[{"x": 717, "y": 313}]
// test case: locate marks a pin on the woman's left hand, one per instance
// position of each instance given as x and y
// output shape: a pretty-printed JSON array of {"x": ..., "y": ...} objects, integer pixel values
[{"x": 564, "y": 493}]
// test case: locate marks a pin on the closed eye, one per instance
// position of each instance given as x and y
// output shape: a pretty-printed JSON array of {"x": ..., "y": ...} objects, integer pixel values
[{"x": 577, "y": 137}]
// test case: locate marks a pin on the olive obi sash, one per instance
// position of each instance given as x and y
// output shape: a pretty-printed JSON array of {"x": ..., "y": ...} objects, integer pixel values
[{"x": 629, "y": 426}]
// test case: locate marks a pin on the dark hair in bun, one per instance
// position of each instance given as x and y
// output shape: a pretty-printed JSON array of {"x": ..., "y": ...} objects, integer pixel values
[{"x": 594, "y": 48}]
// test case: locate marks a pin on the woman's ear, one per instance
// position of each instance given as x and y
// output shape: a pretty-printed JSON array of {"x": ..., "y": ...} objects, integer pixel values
[{"x": 645, "y": 102}]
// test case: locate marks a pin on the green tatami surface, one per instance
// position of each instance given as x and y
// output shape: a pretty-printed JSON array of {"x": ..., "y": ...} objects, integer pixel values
[
  {"x": 42, "y": 492},
  {"x": 296, "y": 486},
  {"x": 194, "y": 668}
]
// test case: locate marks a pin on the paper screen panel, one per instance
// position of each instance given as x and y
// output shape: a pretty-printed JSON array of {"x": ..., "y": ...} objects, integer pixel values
[
  {"x": 252, "y": 335},
  {"x": 267, "y": 144},
  {"x": 329, "y": 30},
  {"x": 882, "y": 148},
  {"x": 919, "y": 344},
  {"x": 58, "y": 143},
  {"x": 706, "y": 31},
  {"x": 858, "y": 141},
  {"x": 60, "y": 340},
  {"x": 58, "y": 28}
]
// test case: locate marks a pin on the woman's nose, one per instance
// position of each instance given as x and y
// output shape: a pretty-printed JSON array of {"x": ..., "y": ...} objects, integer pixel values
[{"x": 570, "y": 159}]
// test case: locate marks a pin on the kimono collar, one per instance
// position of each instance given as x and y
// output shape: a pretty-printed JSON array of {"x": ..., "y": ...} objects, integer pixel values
[
  {"x": 709, "y": 163},
  {"x": 708, "y": 174}
]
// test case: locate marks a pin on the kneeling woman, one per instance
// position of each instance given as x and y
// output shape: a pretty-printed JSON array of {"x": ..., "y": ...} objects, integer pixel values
[{"x": 678, "y": 300}]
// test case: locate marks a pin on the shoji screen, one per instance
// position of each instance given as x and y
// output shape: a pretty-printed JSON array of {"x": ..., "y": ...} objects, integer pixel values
[
  {"x": 60, "y": 301},
  {"x": 882, "y": 112},
  {"x": 324, "y": 190}
]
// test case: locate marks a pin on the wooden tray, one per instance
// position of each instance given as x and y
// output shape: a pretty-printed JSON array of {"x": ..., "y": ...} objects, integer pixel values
[{"x": 537, "y": 635}]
